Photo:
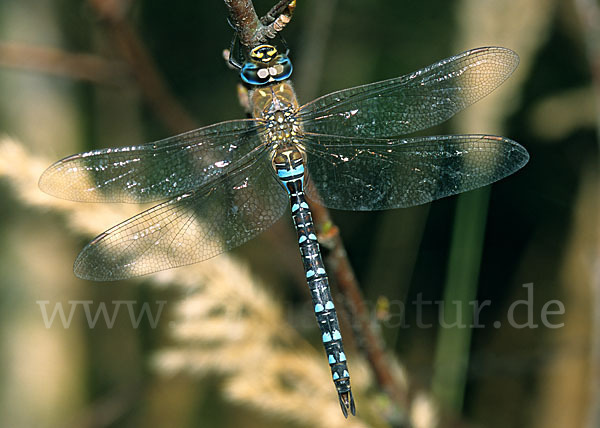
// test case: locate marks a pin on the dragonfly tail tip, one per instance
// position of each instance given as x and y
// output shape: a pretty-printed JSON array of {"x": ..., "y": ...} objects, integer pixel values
[{"x": 347, "y": 403}]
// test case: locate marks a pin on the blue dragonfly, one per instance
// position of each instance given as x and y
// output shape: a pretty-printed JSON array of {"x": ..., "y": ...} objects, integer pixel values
[{"x": 223, "y": 184}]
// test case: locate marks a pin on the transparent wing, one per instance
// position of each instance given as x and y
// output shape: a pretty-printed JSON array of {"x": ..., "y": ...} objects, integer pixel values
[
  {"x": 189, "y": 228},
  {"x": 412, "y": 102},
  {"x": 363, "y": 175},
  {"x": 153, "y": 171}
]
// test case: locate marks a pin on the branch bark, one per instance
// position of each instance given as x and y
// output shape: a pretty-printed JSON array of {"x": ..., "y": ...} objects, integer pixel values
[{"x": 253, "y": 31}]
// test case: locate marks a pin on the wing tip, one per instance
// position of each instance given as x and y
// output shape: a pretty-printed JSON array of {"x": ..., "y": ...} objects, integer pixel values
[
  {"x": 45, "y": 182},
  {"x": 84, "y": 270},
  {"x": 510, "y": 59},
  {"x": 50, "y": 181},
  {"x": 517, "y": 152},
  {"x": 92, "y": 263}
]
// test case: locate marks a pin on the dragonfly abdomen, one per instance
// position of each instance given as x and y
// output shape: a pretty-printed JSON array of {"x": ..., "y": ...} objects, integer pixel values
[
  {"x": 323, "y": 306},
  {"x": 289, "y": 164}
]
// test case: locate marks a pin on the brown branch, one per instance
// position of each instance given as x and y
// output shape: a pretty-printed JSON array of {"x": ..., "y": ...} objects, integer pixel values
[
  {"x": 244, "y": 20},
  {"x": 253, "y": 31},
  {"x": 60, "y": 63},
  {"x": 133, "y": 51},
  {"x": 277, "y": 18},
  {"x": 284, "y": 7}
]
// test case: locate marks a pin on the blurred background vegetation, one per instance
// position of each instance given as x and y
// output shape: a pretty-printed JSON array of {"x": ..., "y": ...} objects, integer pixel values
[{"x": 66, "y": 87}]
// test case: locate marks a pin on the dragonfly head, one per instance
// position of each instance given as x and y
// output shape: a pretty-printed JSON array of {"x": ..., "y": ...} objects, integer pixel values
[{"x": 265, "y": 65}]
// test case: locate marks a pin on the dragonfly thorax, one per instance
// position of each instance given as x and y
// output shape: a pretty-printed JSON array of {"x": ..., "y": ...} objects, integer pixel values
[
  {"x": 281, "y": 128},
  {"x": 267, "y": 100},
  {"x": 277, "y": 106}
]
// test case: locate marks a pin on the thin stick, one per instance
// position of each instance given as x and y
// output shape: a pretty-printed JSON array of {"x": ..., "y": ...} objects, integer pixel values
[
  {"x": 244, "y": 20},
  {"x": 133, "y": 51},
  {"x": 277, "y": 18},
  {"x": 283, "y": 7},
  {"x": 253, "y": 31}
]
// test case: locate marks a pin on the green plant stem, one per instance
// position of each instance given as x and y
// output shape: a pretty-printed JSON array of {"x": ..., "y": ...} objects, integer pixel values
[{"x": 456, "y": 314}]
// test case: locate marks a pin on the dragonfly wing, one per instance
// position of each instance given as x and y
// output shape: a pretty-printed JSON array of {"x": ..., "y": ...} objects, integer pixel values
[
  {"x": 368, "y": 174},
  {"x": 153, "y": 171},
  {"x": 189, "y": 228},
  {"x": 412, "y": 102}
]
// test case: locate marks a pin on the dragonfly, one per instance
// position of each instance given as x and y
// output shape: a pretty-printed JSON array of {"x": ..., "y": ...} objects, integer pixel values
[{"x": 223, "y": 184}]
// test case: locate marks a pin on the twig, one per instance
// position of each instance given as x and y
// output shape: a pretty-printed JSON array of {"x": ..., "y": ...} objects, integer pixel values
[
  {"x": 142, "y": 66},
  {"x": 244, "y": 20},
  {"x": 60, "y": 63},
  {"x": 253, "y": 31},
  {"x": 277, "y": 18}
]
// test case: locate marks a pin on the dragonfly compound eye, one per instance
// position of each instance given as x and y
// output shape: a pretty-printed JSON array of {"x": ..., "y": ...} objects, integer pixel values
[
  {"x": 254, "y": 74},
  {"x": 282, "y": 68},
  {"x": 265, "y": 65}
]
